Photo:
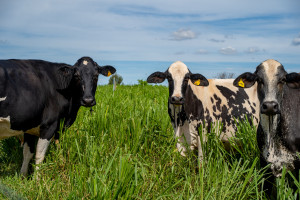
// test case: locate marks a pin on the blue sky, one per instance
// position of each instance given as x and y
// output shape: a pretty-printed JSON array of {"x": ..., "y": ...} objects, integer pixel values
[{"x": 140, "y": 37}]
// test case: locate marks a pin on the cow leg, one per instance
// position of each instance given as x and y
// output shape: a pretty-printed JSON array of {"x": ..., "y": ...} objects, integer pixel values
[
  {"x": 41, "y": 150},
  {"x": 43, "y": 143},
  {"x": 196, "y": 140},
  {"x": 28, "y": 151}
]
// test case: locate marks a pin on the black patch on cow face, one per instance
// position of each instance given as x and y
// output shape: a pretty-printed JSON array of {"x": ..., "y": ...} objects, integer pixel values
[{"x": 86, "y": 78}]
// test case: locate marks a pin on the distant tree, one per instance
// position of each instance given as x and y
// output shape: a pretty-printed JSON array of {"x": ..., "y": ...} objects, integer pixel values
[
  {"x": 224, "y": 75},
  {"x": 118, "y": 79},
  {"x": 142, "y": 82}
]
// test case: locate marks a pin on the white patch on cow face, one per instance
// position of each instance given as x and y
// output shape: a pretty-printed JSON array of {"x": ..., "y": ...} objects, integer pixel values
[
  {"x": 85, "y": 62},
  {"x": 178, "y": 70},
  {"x": 2, "y": 99},
  {"x": 270, "y": 80}
]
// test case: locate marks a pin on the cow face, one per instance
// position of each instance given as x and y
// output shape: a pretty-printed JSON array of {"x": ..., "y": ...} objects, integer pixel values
[
  {"x": 86, "y": 78},
  {"x": 178, "y": 76},
  {"x": 270, "y": 76}
]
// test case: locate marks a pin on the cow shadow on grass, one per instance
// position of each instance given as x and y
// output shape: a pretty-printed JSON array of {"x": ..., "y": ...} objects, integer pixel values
[{"x": 11, "y": 156}]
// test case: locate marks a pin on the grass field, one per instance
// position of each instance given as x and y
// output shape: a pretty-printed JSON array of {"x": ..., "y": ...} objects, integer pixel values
[{"x": 125, "y": 150}]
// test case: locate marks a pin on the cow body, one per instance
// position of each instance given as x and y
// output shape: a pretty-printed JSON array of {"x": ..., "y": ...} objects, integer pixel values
[
  {"x": 36, "y": 95},
  {"x": 214, "y": 102},
  {"x": 218, "y": 103},
  {"x": 278, "y": 134}
]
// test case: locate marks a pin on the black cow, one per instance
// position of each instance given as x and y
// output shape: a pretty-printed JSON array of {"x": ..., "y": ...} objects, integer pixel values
[
  {"x": 35, "y": 95},
  {"x": 194, "y": 100},
  {"x": 278, "y": 134}
]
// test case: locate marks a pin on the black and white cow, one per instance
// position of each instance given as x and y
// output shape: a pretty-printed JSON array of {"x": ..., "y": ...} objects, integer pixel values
[
  {"x": 278, "y": 134},
  {"x": 193, "y": 100},
  {"x": 35, "y": 95}
]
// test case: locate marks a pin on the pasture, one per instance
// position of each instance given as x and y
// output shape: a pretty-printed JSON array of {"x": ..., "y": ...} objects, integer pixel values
[{"x": 125, "y": 149}]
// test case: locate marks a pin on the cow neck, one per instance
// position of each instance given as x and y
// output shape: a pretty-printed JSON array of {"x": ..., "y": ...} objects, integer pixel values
[{"x": 73, "y": 94}]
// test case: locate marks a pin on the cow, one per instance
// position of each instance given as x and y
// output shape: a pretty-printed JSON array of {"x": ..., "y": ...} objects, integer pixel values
[
  {"x": 36, "y": 95},
  {"x": 278, "y": 134},
  {"x": 194, "y": 101}
]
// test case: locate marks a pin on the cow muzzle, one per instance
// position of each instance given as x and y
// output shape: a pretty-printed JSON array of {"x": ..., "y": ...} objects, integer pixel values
[
  {"x": 177, "y": 100},
  {"x": 88, "y": 102},
  {"x": 270, "y": 108}
]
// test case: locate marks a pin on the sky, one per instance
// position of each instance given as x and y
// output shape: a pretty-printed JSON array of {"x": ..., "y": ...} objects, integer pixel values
[{"x": 139, "y": 37}]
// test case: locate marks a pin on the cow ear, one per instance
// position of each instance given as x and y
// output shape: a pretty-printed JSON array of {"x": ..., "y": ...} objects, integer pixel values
[
  {"x": 199, "y": 80},
  {"x": 245, "y": 80},
  {"x": 106, "y": 70},
  {"x": 293, "y": 80},
  {"x": 156, "y": 77},
  {"x": 64, "y": 76}
]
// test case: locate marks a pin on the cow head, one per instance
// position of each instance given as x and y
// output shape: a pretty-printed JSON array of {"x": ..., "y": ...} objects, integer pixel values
[
  {"x": 85, "y": 78},
  {"x": 271, "y": 77},
  {"x": 178, "y": 76}
]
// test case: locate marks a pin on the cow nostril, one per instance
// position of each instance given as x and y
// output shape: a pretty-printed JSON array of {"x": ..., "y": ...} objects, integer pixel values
[
  {"x": 270, "y": 108},
  {"x": 264, "y": 106}
]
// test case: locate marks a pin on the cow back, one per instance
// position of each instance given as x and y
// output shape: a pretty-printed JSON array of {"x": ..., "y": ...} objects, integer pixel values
[{"x": 221, "y": 101}]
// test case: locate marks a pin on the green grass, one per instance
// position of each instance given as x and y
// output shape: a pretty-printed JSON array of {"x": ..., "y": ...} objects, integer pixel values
[{"x": 125, "y": 150}]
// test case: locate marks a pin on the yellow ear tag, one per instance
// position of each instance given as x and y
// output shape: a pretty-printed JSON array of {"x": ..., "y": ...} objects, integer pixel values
[
  {"x": 108, "y": 73},
  {"x": 241, "y": 83},
  {"x": 197, "y": 82}
]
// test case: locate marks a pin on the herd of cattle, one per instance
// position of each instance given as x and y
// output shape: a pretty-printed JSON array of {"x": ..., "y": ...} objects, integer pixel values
[{"x": 36, "y": 95}]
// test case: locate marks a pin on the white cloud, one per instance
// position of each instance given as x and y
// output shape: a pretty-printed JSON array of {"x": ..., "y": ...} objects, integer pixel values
[
  {"x": 142, "y": 30},
  {"x": 252, "y": 50},
  {"x": 296, "y": 41},
  {"x": 228, "y": 51},
  {"x": 183, "y": 34}
]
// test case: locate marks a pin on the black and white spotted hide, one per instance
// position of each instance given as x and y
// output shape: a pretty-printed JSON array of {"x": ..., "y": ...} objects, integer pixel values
[
  {"x": 278, "y": 134},
  {"x": 194, "y": 100},
  {"x": 179, "y": 78}
]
